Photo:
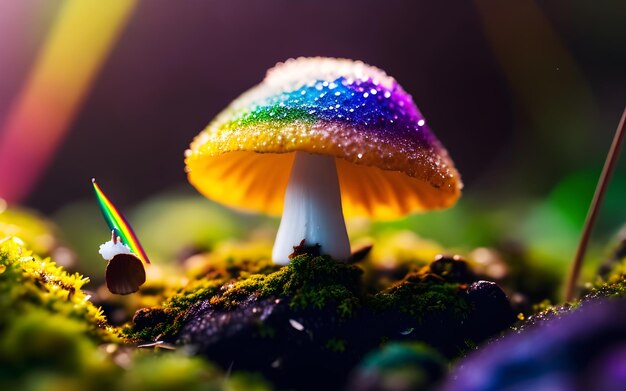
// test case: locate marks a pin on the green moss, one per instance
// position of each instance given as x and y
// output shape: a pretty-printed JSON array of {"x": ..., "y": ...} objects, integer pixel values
[
  {"x": 51, "y": 335},
  {"x": 194, "y": 292},
  {"x": 315, "y": 282},
  {"x": 613, "y": 288},
  {"x": 30, "y": 283},
  {"x": 49, "y": 330},
  {"x": 421, "y": 293},
  {"x": 164, "y": 322},
  {"x": 310, "y": 282}
]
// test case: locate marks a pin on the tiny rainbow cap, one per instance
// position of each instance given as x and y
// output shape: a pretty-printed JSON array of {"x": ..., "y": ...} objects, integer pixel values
[{"x": 118, "y": 223}]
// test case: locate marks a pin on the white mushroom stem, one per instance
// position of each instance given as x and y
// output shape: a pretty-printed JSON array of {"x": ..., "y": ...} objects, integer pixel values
[{"x": 312, "y": 210}]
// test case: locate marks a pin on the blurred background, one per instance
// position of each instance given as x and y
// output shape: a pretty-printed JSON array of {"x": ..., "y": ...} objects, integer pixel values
[{"x": 525, "y": 95}]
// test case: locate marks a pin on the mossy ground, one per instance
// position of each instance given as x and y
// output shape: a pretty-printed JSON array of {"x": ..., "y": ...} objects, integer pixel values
[
  {"x": 318, "y": 283},
  {"x": 28, "y": 282},
  {"x": 427, "y": 291},
  {"x": 611, "y": 286},
  {"x": 44, "y": 310},
  {"x": 307, "y": 281},
  {"x": 53, "y": 337}
]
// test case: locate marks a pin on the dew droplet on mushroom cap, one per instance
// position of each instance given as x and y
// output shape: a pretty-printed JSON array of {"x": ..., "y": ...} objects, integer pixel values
[
  {"x": 317, "y": 139},
  {"x": 124, "y": 274}
]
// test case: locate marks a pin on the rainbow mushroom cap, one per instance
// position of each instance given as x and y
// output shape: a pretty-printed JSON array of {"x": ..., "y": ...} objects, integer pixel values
[{"x": 317, "y": 139}]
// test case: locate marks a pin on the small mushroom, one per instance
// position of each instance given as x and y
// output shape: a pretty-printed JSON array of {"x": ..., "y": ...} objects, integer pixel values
[
  {"x": 124, "y": 272},
  {"x": 317, "y": 139}
]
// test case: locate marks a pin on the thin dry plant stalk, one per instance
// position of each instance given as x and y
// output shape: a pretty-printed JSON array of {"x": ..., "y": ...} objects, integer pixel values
[{"x": 603, "y": 183}]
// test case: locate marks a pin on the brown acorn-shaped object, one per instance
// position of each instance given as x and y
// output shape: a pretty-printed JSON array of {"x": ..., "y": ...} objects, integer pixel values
[{"x": 125, "y": 274}]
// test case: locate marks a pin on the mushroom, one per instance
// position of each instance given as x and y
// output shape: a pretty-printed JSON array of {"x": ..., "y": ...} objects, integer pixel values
[
  {"x": 318, "y": 139},
  {"x": 124, "y": 272}
]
